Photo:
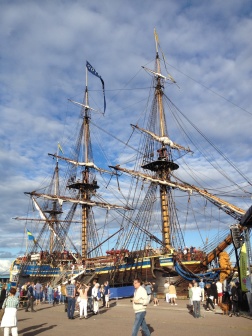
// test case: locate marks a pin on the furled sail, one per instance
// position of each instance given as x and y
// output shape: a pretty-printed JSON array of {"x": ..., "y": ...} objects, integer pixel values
[
  {"x": 84, "y": 164},
  {"x": 164, "y": 140},
  {"x": 73, "y": 200}
]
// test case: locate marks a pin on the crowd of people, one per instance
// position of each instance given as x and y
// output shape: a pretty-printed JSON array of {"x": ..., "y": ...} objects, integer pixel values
[
  {"x": 33, "y": 294},
  {"x": 88, "y": 298},
  {"x": 84, "y": 298},
  {"x": 209, "y": 294},
  {"x": 213, "y": 295},
  {"x": 76, "y": 297}
]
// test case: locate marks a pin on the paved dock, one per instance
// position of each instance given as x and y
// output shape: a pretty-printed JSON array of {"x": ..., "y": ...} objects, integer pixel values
[{"x": 118, "y": 320}]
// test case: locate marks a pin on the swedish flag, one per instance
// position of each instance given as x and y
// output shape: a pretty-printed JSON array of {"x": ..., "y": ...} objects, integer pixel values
[
  {"x": 60, "y": 148},
  {"x": 30, "y": 236}
]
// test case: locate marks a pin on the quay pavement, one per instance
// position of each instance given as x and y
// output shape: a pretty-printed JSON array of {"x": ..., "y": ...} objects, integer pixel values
[{"x": 162, "y": 320}]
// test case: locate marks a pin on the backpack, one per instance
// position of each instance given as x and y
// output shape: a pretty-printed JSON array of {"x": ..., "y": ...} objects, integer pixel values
[{"x": 235, "y": 297}]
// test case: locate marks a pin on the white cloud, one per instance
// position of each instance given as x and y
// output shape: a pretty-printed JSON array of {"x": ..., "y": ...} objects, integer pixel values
[
  {"x": 43, "y": 63},
  {"x": 4, "y": 266}
]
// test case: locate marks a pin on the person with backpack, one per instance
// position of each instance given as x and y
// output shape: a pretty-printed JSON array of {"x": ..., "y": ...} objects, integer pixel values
[{"x": 148, "y": 289}]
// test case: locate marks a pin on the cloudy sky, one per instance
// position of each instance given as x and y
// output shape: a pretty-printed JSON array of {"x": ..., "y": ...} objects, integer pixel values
[{"x": 44, "y": 48}]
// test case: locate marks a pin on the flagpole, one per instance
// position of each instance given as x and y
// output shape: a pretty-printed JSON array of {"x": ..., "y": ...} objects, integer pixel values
[
  {"x": 156, "y": 39},
  {"x": 86, "y": 76},
  {"x": 26, "y": 243},
  {"x": 58, "y": 151}
]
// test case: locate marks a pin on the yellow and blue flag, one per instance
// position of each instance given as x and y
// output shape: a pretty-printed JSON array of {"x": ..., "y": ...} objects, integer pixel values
[
  {"x": 30, "y": 236},
  {"x": 60, "y": 148}
]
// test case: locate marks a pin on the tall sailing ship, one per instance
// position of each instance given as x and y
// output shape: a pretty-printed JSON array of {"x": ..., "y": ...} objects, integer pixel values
[{"x": 142, "y": 233}]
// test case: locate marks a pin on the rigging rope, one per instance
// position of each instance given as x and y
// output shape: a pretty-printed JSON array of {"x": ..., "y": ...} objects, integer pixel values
[
  {"x": 215, "y": 147},
  {"x": 209, "y": 89}
]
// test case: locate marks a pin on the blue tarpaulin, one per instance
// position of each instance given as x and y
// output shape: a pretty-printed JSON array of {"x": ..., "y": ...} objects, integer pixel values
[{"x": 121, "y": 292}]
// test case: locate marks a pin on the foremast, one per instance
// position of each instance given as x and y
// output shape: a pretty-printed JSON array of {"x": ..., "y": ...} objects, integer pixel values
[
  {"x": 85, "y": 192},
  {"x": 88, "y": 184}
]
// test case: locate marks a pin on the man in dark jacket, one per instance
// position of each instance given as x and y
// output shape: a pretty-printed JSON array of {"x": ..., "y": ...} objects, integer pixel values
[
  {"x": 2, "y": 296},
  {"x": 30, "y": 297},
  {"x": 234, "y": 298}
]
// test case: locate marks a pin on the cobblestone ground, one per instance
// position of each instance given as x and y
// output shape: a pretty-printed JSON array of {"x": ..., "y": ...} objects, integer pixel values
[{"x": 118, "y": 320}]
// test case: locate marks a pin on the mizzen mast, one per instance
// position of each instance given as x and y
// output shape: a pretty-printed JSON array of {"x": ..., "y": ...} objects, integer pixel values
[{"x": 54, "y": 210}]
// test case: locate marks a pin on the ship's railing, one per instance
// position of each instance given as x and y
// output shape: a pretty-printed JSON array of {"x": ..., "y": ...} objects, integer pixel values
[
  {"x": 46, "y": 257},
  {"x": 195, "y": 256}
]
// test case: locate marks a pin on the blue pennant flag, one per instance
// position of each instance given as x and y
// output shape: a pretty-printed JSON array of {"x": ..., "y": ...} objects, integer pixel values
[{"x": 95, "y": 73}]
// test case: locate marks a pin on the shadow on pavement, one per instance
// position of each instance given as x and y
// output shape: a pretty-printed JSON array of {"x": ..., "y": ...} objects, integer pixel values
[
  {"x": 150, "y": 328},
  {"x": 30, "y": 331}
]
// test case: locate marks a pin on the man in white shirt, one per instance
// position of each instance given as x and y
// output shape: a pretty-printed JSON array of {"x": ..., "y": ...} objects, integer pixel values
[
  {"x": 96, "y": 297},
  {"x": 196, "y": 298},
  {"x": 140, "y": 301}
]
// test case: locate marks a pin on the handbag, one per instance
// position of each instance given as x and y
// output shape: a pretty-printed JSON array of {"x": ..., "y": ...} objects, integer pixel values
[{"x": 78, "y": 299}]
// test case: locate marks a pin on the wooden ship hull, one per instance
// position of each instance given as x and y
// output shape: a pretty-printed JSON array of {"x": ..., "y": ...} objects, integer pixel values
[
  {"x": 120, "y": 271},
  {"x": 153, "y": 268}
]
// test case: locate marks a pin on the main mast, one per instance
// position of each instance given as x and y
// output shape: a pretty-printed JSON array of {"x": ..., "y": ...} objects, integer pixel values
[
  {"x": 164, "y": 164},
  {"x": 163, "y": 173}
]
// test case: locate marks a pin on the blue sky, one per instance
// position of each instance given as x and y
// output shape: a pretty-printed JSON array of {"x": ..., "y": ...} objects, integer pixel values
[{"x": 44, "y": 48}]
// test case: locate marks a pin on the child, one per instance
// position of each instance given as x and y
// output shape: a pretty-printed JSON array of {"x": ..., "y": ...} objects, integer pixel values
[{"x": 55, "y": 296}]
